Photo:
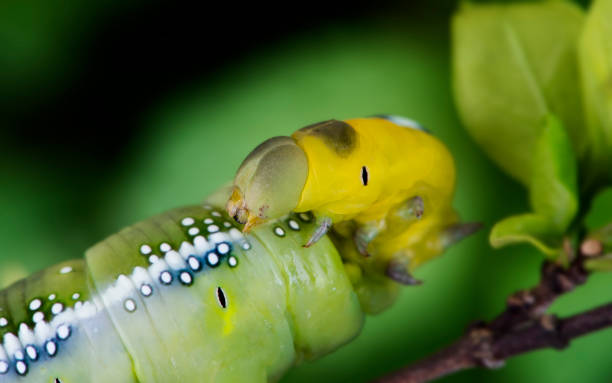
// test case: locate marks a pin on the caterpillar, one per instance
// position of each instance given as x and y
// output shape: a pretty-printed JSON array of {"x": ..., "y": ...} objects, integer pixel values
[
  {"x": 181, "y": 297},
  {"x": 207, "y": 293},
  {"x": 384, "y": 183}
]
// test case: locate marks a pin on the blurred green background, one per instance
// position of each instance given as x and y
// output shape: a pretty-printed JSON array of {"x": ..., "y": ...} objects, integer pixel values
[{"x": 114, "y": 111}]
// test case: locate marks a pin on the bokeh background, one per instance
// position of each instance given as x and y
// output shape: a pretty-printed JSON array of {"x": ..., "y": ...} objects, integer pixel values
[{"x": 112, "y": 111}]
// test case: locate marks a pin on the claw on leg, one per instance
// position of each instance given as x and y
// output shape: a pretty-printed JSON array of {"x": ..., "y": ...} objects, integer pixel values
[
  {"x": 457, "y": 232},
  {"x": 324, "y": 226},
  {"x": 398, "y": 271},
  {"x": 364, "y": 235},
  {"x": 361, "y": 243},
  {"x": 414, "y": 208}
]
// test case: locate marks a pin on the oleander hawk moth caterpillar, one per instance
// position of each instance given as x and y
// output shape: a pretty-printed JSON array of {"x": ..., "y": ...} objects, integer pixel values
[
  {"x": 190, "y": 296},
  {"x": 181, "y": 297}
]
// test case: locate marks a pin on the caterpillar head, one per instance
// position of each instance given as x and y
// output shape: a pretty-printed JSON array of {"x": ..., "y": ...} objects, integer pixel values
[{"x": 269, "y": 182}]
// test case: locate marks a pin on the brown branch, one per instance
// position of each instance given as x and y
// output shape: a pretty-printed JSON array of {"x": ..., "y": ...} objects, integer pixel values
[
  {"x": 523, "y": 326},
  {"x": 479, "y": 348}
]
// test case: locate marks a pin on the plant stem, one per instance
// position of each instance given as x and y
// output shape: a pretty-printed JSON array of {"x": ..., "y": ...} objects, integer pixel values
[{"x": 523, "y": 326}]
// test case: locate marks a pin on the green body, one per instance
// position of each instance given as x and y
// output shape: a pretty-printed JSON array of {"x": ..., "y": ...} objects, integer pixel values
[{"x": 217, "y": 307}]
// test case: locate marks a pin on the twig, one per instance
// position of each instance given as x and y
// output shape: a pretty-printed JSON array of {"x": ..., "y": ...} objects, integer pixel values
[
  {"x": 522, "y": 327},
  {"x": 479, "y": 348}
]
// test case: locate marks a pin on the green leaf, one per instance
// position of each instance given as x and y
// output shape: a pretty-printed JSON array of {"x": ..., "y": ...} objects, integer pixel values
[
  {"x": 527, "y": 228},
  {"x": 595, "y": 61},
  {"x": 603, "y": 263},
  {"x": 513, "y": 65},
  {"x": 552, "y": 192}
]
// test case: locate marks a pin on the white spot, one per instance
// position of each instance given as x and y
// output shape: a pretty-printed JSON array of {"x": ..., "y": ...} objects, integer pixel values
[
  {"x": 153, "y": 258},
  {"x": 164, "y": 247},
  {"x": 145, "y": 250},
  {"x": 174, "y": 260},
  {"x": 218, "y": 237},
  {"x": 12, "y": 345},
  {"x": 4, "y": 366},
  {"x": 246, "y": 246},
  {"x": 57, "y": 308},
  {"x": 146, "y": 290},
  {"x": 186, "y": 249},
  {"x": 194, "y": 263},
  {"x": 21, "y": 367},
  {"x": 63, "y": 331},
  {"x": 208, "y": 221},
  {"x": 3, "y": 322},
  {"x": 155, "y": 270},
  {"x": 293, "y": 225},
  {"x": 165, "y": 277},
  {"x": 227, "y": 224},
  {"x": 129, "y": 305},
  {"x": 235, "y": 233},
  {"x": 187, "y": 221},
  {"x": 26, "y": 336},
  {"x": 279, "y": 231},
  {"x": 200, "y": 243},
  {"x": 38, "y": 317},
  {"x": 50, "y": 348},
  {"x": 213, "y": 228},
  {"x": 35, "y": 304},
  {"x": 43, "y": 331},
  {"x": 65, "y": 270},
  {"x": 207, "y": 207},
  {"x": 76, "y": 296},
  {"x": 52, "y": 297},
  {"x": 216, "y": 214},
  {"x": 31, "y": 351},
  {"x": 232, "y": 261},
  {"x": 213, "y": 259},
  {"x": 193, "y": 231},
  {"x": 223, "y": 248},
  {"x": 185, "y": 277}
]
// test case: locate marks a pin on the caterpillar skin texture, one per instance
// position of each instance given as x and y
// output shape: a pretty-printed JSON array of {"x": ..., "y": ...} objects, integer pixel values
[{"x": 181, "y": 297}]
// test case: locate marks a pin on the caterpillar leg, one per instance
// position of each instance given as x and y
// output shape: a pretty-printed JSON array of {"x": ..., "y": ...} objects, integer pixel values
[
  {"x": 409, "y": 211},
  {"x": 457, "y": 232},
  {"x": 325, "y": 224},
  {"x": 366, "y": 234},
  {"x": 412, "y": 209},
  {"x": 397, "y": 269}
]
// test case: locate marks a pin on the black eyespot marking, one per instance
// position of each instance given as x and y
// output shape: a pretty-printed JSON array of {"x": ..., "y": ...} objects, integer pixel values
[
  {"x": 221, "y": 297},
  {"x": 57, "y": 380},
  {"x": 364, "y": 175}
]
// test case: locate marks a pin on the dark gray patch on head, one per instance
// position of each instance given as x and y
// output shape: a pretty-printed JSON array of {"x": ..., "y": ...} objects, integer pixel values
[{"x": 338, "y": 135}]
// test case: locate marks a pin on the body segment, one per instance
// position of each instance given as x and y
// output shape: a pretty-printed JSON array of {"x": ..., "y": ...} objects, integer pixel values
[
  {"x": 382, "y": 184},
  {"x": 184, "y": 296}
]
